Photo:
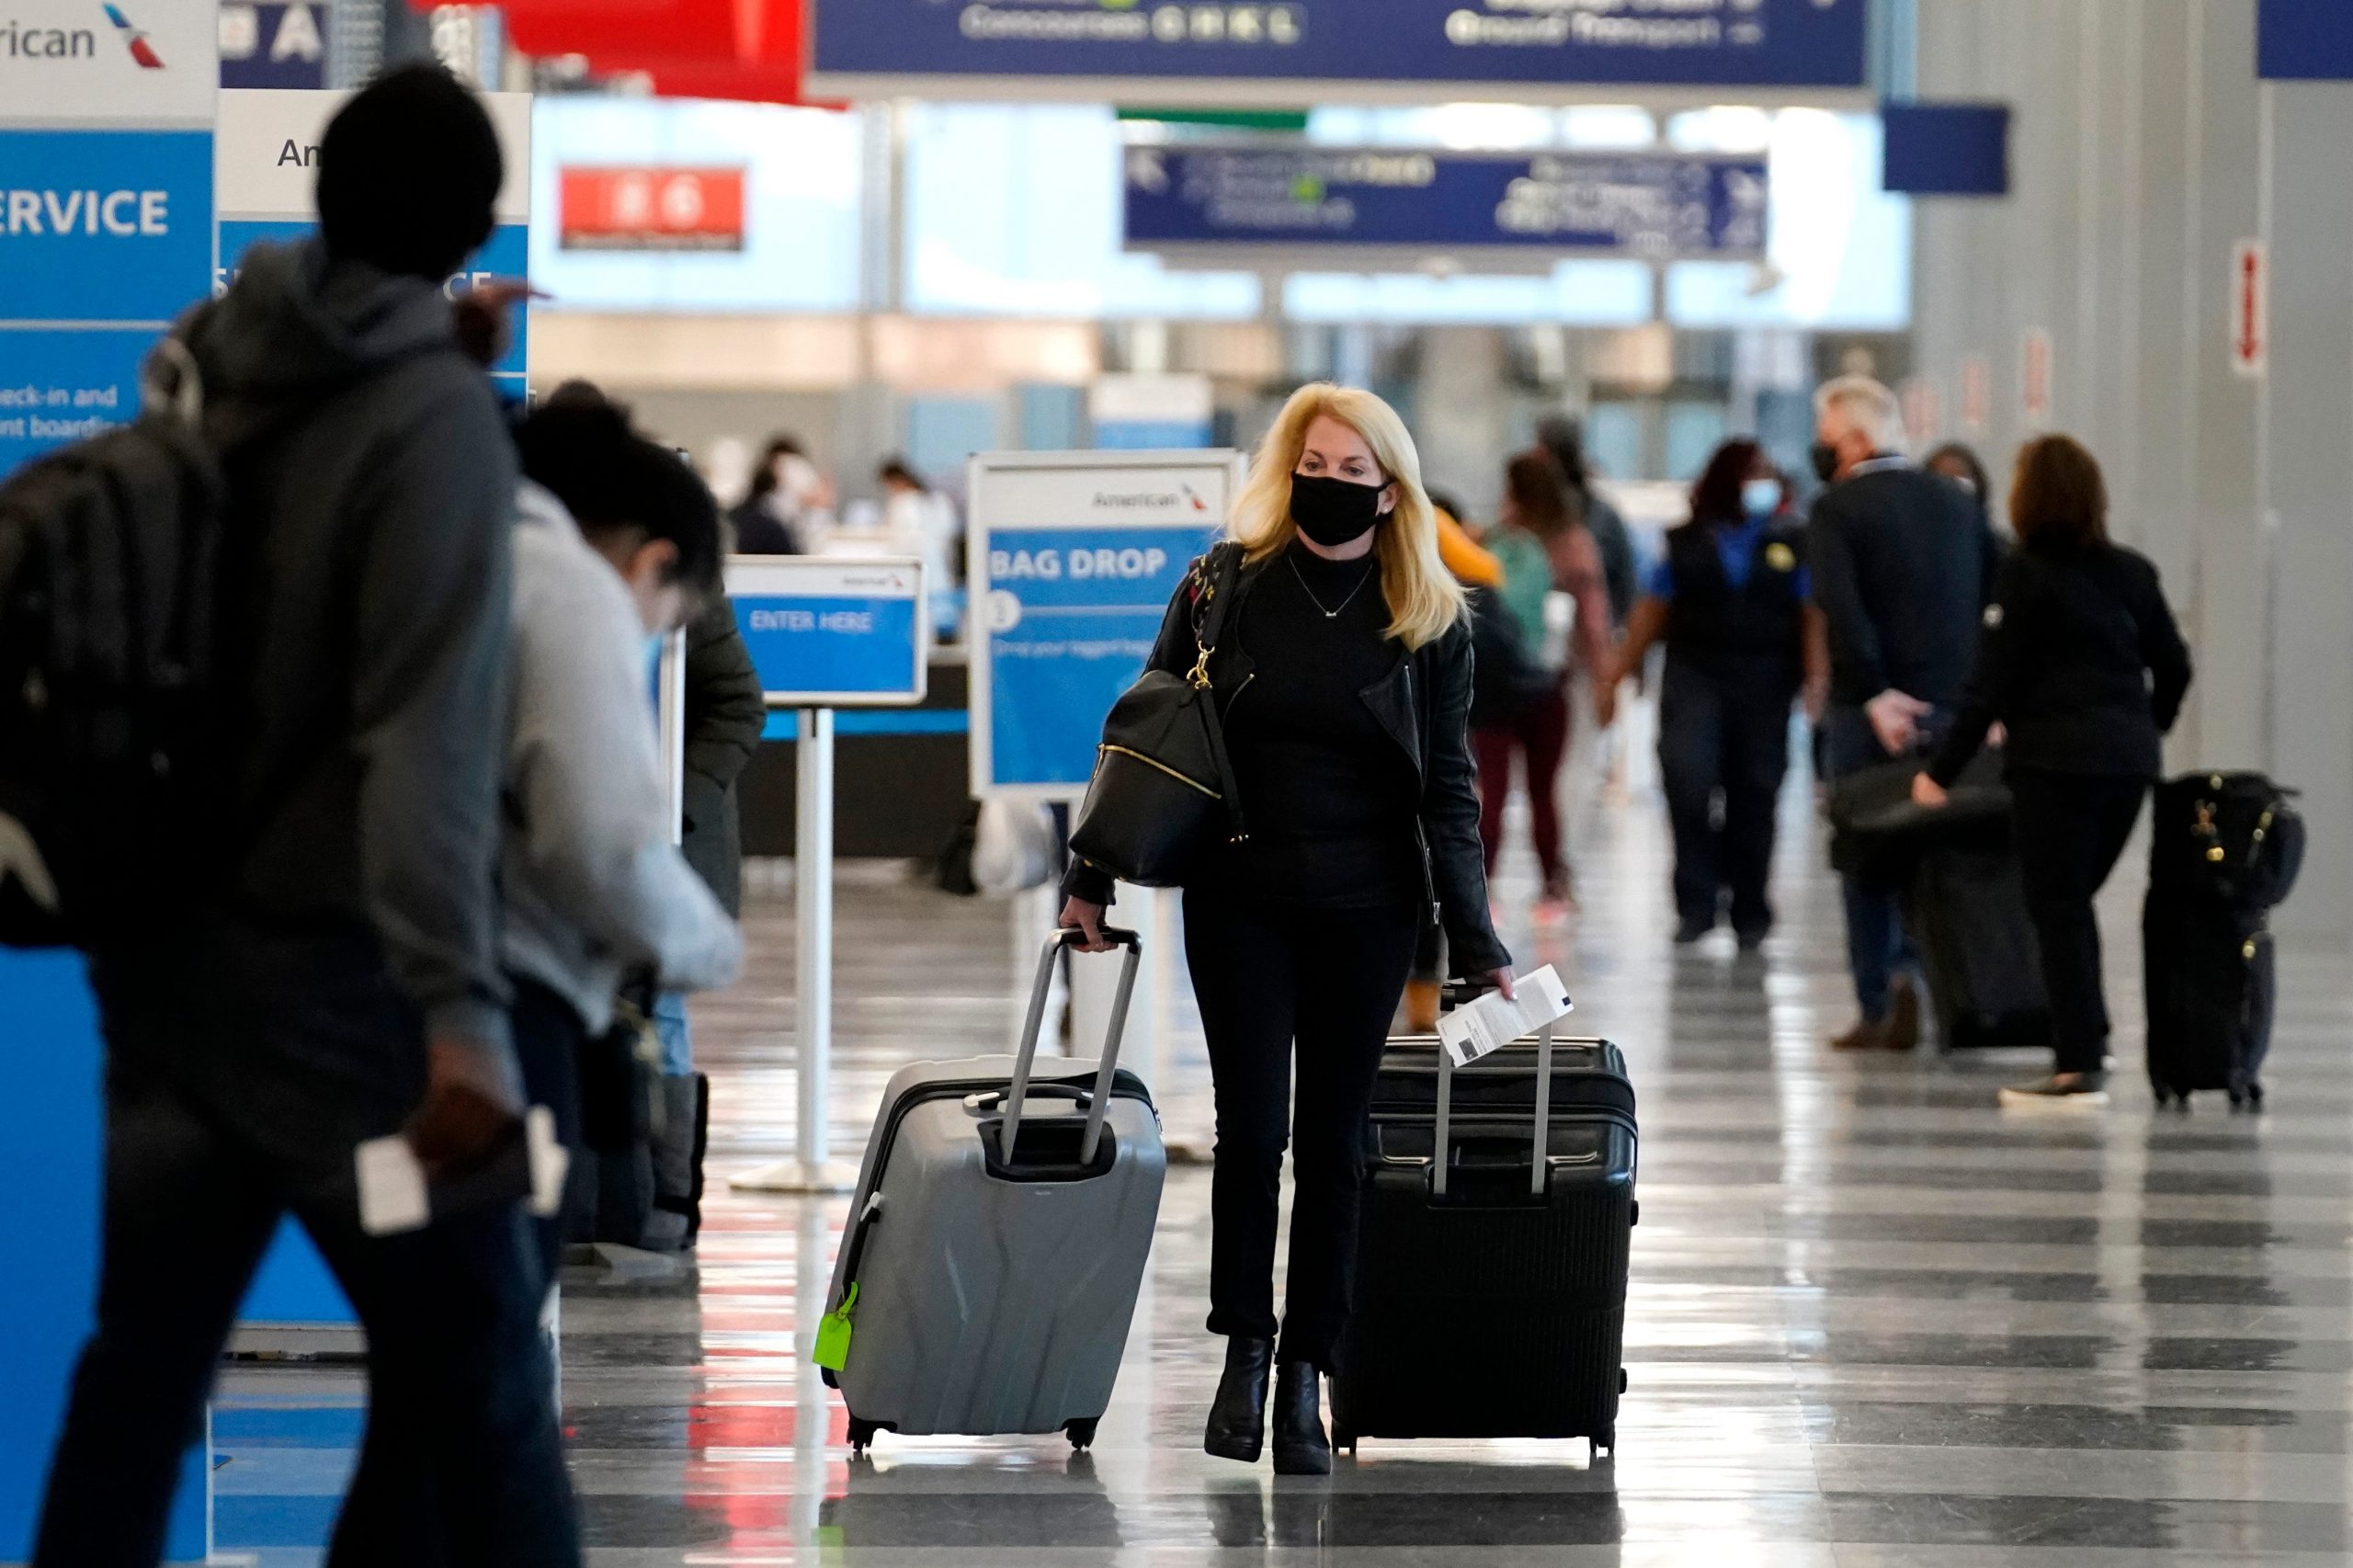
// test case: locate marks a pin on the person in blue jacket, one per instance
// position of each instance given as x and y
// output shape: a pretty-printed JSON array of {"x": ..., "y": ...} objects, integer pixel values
[{"x": 1729, "y": 597}]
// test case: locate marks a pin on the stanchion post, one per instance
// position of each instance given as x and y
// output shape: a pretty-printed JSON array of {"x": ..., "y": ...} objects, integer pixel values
[{"x": 810, "y": 1169}]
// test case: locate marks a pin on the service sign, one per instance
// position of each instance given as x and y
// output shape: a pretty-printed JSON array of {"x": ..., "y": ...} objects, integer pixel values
[
  {"x": 833, "y": 631},
  {"x": 1652, "y": 205},
  {"x": 105, "y": 205},
  {"x": 1072, "y": 558},
  {"x": 1299, "y": 52}
]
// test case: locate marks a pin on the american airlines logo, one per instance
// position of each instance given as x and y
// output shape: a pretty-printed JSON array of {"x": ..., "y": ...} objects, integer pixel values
[
  {"x": 23, "y": 40},
  {"x": 134, "y": 38}
]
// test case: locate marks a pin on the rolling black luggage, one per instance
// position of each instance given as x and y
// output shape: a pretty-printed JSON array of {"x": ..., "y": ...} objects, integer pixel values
[
  {"x": 1491, "y": 1265},
  {"x": 2223, "y": 849},
  {"x": 1965, "y": 911}
]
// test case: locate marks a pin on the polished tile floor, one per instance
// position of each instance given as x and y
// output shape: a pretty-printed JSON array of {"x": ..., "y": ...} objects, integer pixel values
[{"x": 1875, "y": 1322}]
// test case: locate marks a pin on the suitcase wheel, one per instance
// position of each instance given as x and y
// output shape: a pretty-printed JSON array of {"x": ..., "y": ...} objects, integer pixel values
[
  {"x": 1081, "y": 1434},
  {"x": 1344, "y": 1443},
  {"x": 861, "y": 1437},
  {"x": 1604, "y": 1445}
]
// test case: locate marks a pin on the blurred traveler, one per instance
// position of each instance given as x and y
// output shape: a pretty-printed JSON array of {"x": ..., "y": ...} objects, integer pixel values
[
  {"x": 787, "y": 499},
  {"x": 1345, "y": 677},
  {"x": 615, "y": 541},
  {"x": 2080, "y": 661},
  {"x": 1563, "y": 437},
  {"x": 345, "y": 983},
  {"x": 1959, "y": 464},
  {"x": 1499, "y": 684},
  {"x": 919, "y": 521},
  {"x": 1729, "y": 597},
  {"x": 1543, "y": 550},
  {"x": 725, "y": 716},
  {"x": 1902, "y": 567}
]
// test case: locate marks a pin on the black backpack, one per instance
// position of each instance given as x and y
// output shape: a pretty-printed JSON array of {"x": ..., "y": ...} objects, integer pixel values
[
  {"x": 2225, "y": 839},
  {"x": 108, "y": 569}
]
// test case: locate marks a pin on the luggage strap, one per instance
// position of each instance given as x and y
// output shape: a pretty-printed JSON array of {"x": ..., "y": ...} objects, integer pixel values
[{"x": 1441, "y": 1148}]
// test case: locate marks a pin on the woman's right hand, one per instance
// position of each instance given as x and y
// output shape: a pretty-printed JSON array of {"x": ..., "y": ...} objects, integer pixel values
[{"x": 1087, "y": 916}]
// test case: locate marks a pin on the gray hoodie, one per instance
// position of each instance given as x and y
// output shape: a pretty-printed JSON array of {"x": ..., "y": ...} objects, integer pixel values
[
  {"x": 369, "y": 564},
  {"x": 595, "y": 888}
]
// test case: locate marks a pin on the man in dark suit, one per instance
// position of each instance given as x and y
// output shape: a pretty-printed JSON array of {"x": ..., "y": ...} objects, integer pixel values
[{"x": 1902, "y": 566}]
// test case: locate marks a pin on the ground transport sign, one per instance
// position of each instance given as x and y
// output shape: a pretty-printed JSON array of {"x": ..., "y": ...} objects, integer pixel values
[{"x": 1259, "y": 52}]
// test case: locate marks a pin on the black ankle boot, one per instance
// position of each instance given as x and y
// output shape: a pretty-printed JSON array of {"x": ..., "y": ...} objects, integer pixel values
[
  {"x": 1301, "y": 1447},
  {"x": 1237, "y": 1427}
]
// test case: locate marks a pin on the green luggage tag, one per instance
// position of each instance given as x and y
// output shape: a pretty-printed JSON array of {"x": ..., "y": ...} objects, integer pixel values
[{"x": 832, "y": 1332}]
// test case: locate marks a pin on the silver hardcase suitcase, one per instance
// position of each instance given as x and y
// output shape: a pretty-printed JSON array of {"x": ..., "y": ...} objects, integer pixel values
[{"x": 998, "y": 1237}]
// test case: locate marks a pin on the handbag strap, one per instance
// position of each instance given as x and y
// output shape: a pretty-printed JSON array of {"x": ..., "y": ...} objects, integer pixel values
[{"x": 1219, "y": 572}]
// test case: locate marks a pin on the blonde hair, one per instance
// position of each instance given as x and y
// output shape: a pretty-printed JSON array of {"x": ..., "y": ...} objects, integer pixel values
[
  {"x": 1868, "y": 405},
  {"x": 1424, "y": 598}
]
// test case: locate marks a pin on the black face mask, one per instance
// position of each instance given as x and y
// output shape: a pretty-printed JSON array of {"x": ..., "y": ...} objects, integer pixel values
[
  {"x": 1825, "y": 463},
  {"x": 1333, "y": 511}
]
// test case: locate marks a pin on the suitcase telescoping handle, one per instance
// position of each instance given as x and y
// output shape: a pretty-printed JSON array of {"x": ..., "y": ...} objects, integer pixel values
[
  {"x": 1440, "y": 1146},
  {"x": 1026, "y": 1056}
]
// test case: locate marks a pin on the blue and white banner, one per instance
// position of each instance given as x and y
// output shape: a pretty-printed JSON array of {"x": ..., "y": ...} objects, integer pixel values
[
  {"x": 280, "y": 45},
  {"x": 827, "y": 632},
  {"x": 1304, "y": 51},
  {"x": 268, "y": 165},
  {"x": 1656, "y": 206},
  {"x": 1072, "y": 559}
]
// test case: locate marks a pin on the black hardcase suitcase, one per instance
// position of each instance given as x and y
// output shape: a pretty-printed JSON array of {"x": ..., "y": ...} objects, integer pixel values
[
  {"x": 2211, "y": 989},
  {"x": 1965, "y": 911},
  {"x": 1491, "y": 1285}
]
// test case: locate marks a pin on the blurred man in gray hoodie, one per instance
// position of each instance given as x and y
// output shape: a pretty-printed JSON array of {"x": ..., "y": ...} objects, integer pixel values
[{"x": 342, "y": 983}]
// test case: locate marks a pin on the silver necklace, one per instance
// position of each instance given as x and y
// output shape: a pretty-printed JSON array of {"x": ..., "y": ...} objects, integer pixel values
[{"x": 1334, "y": 613}]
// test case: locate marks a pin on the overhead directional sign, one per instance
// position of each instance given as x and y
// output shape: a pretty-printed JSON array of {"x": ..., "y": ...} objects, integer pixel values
[
  {"x": 1655, "y": 205},
  {"x": 829, "y": 632},
  {"x": 1261, "y": 53},
  {"x": 1073, "y": 557}
]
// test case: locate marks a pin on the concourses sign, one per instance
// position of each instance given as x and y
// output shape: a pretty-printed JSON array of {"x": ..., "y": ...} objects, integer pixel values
[{"x": 1303, "y": 51}]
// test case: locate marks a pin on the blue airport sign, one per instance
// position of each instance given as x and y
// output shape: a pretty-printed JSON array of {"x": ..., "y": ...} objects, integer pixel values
[
  {"x": 1072, "y": 559},
  {"x": 832, "y": 631},
  {"x": 1658, "y": 206},
  {"x": 1300, "y": 52}
]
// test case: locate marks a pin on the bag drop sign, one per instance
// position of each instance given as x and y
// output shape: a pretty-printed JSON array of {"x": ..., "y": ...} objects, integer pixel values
[
  {"x": 1072, "y": 558},
  {"x": 1132, "y": 563}
]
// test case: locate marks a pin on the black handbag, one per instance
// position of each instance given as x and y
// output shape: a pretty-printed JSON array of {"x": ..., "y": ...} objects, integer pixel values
[
  {"x": 2227, "y": 839},
  {"x": 1163, "y": 794},
  {"x": 1877, "y": 832}
]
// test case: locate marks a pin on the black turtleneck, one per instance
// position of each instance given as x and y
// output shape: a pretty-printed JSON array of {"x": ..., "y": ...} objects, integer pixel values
[{"x": 1331, "y": 796}]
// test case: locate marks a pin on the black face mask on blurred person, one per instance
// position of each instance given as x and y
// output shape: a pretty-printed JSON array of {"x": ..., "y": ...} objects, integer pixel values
[
  {"x": 1333, "y": 511},
  {"x": 1825, "y": 463}
]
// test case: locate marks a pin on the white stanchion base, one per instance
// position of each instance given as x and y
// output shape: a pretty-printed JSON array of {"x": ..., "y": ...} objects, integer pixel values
[{"x": 791, "y": 1175}]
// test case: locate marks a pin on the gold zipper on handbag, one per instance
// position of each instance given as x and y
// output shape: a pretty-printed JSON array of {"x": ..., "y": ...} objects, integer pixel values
[{"x": 1155, "y": 762}]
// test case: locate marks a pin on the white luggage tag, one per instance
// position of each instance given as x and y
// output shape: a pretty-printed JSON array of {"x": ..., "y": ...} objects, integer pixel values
[{"x": 1493, "y": 1021}]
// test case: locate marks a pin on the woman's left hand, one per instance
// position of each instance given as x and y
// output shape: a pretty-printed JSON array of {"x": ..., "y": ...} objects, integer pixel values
[
  {"x": 1928, "y": 792},
  {"x": 1501, "y": 979}
]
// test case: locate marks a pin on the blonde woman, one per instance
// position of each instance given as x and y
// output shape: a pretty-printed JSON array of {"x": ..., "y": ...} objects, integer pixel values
[{"x": 1343, "y": 676}]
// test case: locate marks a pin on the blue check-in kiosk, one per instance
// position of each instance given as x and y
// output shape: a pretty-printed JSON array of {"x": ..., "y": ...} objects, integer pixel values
[{"x": 825, "y": 632}]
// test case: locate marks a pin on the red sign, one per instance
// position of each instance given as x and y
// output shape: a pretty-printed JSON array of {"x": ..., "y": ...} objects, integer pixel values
[
  {"x": 1976, "y": 394},
  {"x": 2250, "y": 309},
  {"x": 2034, "y": 379},
  {"x": 651, "y": 209}
]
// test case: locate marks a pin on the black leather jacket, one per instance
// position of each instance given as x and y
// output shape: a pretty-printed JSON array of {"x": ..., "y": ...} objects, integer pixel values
[{"x": 1425, "y": 705}]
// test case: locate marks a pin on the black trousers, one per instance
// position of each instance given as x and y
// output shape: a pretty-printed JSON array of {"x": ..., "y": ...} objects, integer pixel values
[
  {"x": 222, "y": 1116},
  {"x": 1271, "y": 978},
  {"x": 549, "y": 1036},
  {"x": 2070, "y": 829},
  {"x": 1726, "y": 734}
]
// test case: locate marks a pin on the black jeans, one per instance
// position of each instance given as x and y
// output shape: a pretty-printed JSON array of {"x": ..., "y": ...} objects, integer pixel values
[
  {"x": 1268, "y": 976},
  {"x": 2070, "y": 829},
  {"x": 549, "y": 1035},
  {"x": 222, "y": 1115},
  {"x": 1731, "y": 734}
]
